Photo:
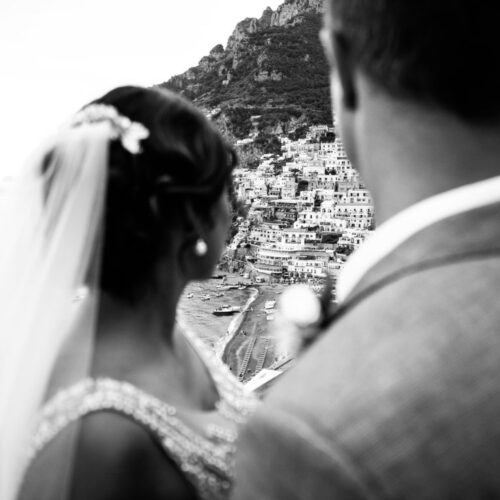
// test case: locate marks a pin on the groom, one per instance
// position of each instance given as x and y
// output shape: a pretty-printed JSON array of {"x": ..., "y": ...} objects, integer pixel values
[{"x": 400, "y": 397}]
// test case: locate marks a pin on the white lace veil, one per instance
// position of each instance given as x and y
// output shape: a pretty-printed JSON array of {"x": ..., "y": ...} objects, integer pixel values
[{"x": 50, "y": 227}]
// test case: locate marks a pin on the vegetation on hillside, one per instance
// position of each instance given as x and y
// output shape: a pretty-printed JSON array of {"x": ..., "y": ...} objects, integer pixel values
[{"x": 273, "y": 81}]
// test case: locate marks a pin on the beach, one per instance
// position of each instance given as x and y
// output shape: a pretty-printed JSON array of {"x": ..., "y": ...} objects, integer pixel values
[
  {"x": 252, "y": 346},
  {"x": 235, "y": 324},
  {"x": 245, "y": 334}
]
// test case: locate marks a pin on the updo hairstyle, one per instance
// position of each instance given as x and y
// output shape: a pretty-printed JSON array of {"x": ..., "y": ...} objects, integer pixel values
[{"x": 183, "y": 161}]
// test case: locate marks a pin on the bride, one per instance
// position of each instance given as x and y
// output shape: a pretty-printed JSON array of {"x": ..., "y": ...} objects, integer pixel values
[{"x": 103, "y": 388}]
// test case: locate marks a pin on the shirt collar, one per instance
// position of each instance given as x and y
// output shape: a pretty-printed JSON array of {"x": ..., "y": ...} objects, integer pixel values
[{"x": 410, "y": 221}]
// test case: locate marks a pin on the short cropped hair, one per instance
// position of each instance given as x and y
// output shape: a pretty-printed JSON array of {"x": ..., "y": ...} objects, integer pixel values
[{"x": 443, "y": 52}]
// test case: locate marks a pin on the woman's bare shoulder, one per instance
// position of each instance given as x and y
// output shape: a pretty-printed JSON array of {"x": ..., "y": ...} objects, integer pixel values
[{"x": 116, "y": 458}]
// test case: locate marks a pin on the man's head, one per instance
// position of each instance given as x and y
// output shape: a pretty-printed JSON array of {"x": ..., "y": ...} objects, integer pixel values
[{"x": 443, "y": 53}]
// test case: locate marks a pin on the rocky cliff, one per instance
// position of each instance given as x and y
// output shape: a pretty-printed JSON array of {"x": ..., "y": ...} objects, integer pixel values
[{"x": 270, "y": 78}]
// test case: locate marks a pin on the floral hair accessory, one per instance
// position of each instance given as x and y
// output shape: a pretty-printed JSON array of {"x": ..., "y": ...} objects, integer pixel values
[{"x": 130, "y": 133}]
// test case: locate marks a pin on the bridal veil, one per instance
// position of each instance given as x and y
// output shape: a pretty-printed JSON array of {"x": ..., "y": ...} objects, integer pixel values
[{"x": 51, "y": 225}]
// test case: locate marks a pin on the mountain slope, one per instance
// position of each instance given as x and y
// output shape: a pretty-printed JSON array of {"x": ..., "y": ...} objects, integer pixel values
[{"x": 271, "y": 78}]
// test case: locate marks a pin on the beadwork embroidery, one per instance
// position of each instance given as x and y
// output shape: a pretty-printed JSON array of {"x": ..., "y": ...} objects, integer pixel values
[{"x": 207, "y": 461}]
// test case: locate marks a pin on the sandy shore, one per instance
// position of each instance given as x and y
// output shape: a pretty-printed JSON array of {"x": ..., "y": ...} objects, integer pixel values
[
  {"x": 252, "y": 324},
  {"x": 235, "y": 324}
]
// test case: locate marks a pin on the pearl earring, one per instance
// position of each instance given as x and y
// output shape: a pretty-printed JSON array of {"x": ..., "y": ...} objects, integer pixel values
[{"x": 200, "y": 247}]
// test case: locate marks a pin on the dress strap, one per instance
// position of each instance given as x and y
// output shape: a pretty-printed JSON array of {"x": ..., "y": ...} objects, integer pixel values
[{"x": 204, "y": 462}]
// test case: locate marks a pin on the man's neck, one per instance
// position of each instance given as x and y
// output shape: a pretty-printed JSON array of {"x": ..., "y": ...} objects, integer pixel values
[{"x": 409, "y": 153}]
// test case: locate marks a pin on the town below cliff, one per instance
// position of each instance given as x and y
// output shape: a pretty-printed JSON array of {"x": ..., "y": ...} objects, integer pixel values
[{"x": 307, "y": 208}]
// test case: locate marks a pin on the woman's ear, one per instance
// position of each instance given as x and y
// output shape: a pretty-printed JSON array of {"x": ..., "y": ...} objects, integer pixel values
[
  {"x": 194, "y": 256},
  {"x": 184, "y": 257},
  {"x": 189, "y": 262}
]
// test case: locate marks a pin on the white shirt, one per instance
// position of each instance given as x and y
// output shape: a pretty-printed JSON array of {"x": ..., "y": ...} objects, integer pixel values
[{"x": 410, "y": 221}]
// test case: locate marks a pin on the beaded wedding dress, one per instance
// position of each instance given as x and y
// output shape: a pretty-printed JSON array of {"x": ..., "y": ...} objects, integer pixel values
[{"x": 205, "y": 455}]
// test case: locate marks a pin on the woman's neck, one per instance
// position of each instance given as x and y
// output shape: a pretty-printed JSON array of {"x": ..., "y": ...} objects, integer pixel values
[
  {"x": 142, "y": 345},
  {"x": 130, "y": 337},
  {"x": 151, "y": 318}
]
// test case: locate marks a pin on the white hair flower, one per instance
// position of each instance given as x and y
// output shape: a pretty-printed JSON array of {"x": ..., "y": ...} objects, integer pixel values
[{"x": 130, "y": 133}]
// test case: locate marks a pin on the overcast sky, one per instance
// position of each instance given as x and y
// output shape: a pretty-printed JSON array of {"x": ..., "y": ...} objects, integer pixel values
[{"x": 55, "y": 55}]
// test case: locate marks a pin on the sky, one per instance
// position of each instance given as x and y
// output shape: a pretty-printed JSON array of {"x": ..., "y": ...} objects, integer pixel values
[{"x": 56, "y": 55}]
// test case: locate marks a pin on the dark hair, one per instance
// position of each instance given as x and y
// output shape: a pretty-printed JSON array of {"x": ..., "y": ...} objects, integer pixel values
[
  {"x": 444, "y": 52},
  {"x": 183, "y": 160}
]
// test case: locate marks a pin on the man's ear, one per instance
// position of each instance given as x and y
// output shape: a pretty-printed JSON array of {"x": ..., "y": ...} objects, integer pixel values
[{"x": 345, "y": 66}]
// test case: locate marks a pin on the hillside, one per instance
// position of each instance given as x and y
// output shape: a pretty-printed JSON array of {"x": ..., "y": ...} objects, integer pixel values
[{"x": 271, "y": 77}]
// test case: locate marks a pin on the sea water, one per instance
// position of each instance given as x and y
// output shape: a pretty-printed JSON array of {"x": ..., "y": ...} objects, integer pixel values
[{"x": 197, "y": 315}]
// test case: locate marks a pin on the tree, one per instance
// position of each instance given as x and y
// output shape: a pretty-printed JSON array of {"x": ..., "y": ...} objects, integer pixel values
[
  {"x": 345, "y": 250},
  {"x": 331, "y": 238},
  {"x": 303, "y": 185}
]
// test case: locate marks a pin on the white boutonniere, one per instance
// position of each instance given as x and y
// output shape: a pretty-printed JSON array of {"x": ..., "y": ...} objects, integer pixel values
[{"x": 300, "y": 318}]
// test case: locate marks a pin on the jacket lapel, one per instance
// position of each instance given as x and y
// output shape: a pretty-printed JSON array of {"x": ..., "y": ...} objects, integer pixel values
[{"x": 469, "y": 235}]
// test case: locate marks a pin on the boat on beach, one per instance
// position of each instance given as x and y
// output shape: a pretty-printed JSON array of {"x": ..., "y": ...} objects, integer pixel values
[
  {"x": 269, "y": 304},
  {"x": 225, "y": 310},
  {"x": 205, "y": 297},
  {"x": 190, "y": 295}
]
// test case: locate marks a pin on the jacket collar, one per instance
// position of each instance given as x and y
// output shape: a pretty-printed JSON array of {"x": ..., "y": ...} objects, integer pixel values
[{"x": 446, "y": 227}]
